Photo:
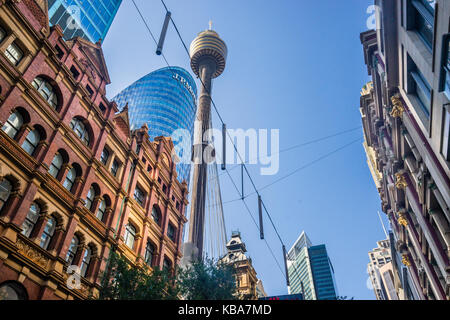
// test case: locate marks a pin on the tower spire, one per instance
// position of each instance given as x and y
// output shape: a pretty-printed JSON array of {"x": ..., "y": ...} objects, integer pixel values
[
  {"x": 382, "y": 224},
  {"x": 210, "y": 24}
]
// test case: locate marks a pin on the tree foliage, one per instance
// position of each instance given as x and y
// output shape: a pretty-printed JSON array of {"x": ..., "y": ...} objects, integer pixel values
[
  {"x": 124, "y": 282},
  {"x": 207, "y": 280},
  {"x": 202, "y": 280}
]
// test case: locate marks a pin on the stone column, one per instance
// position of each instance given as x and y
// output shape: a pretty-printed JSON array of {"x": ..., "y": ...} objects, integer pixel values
[
  {"x": 39, "y": 228},
  {"x": 57, "y": 238},
  {"x": 67, "y": 238}
]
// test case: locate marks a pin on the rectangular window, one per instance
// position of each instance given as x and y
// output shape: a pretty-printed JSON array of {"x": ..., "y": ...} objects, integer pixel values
[
  {"x": 102, "y": 107},
  {"x": 14, "y": 53},
  {"x": 115, "y": 167},
  {"x": 171, "y": 232},
  {"x": 75, "y": 72},
  {"x": 422, "y": 15},
  {"x": 445, "y": 66},
  {"x": 105, "y": 156},
  {"x": 446, "y": 134},
  {"x": 59, "y": 52},
  {"x": 418, "y": 86},
  {"x": 2, "y": 34},
  {"x": 139, "y": 196},
  {"x": 89, "y": 89}
]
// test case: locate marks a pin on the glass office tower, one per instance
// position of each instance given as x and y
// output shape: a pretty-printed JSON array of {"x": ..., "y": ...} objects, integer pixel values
[
  {"x": 89, "y": 19},
  {"x": 166, "y": 101},
  {"x": 310, "y": 271}
]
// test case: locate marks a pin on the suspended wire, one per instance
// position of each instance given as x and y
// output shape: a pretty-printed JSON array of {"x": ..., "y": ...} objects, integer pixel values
[
  {"x": 256, "y": 224},
  {"x": 297, "y": 170},
  {"x": 307, "y": 165},
  {"x": 301, "y": 145},
  {"x": 215, "y": 219}
]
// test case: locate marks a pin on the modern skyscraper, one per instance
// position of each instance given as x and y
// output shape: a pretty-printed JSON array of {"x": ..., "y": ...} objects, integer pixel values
[
  {"x": 89, "y": 19},
  {"x": 310, "y": 271},
  {"x": 166, "y": 101}
]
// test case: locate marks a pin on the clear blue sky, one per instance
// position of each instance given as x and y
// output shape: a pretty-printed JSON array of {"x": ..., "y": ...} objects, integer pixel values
[{"x": 292, "y": 65}]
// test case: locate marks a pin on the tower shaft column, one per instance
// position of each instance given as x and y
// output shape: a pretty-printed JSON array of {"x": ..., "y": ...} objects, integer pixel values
[{"x": 200, "y": 175}]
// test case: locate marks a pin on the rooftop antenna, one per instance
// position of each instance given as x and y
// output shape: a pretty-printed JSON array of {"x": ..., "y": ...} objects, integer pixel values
[
  {"x": 210, "y": 24},
  {"x": 382, "y": 224}
]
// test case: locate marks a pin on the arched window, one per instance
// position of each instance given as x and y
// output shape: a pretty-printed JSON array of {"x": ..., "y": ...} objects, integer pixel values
[
  {"x": 5, "y": 192},
  {"x": 167, "y": 264},
  {"x": 31, "y": 141},
  {"x": 130, "y": 235},
  {"x": 149, "y": 253},
  {"x": 31, "y": 219},
  {"x": 56, "y": 165},
  {"x": 90, "y": 198},
  {"x": 105, "y": 156},
  {"x": 80, "y": 130},
  {"x": 13, "y": 124},
  {"x": 48, "y": 233},
  {"x": 86, "y": 261},
  {"x": 70, "y": 179},
  {"x": 101, "y": 210},
  {"x": 12, "y": 290},
  {"x": 156, "y": 216},
  {"x": 46, "y": 90},
  {"x": 72, "y": 250}
]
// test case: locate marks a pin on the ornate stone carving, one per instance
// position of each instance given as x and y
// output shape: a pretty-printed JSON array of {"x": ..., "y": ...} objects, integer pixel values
[
  {"x": 402, "y": 219},
  {"x": 397, "y": 109},
  {"x": 405, "y": 260},
  {"x": 400, "y": 181},
  {"x": 32, "y": 254}
]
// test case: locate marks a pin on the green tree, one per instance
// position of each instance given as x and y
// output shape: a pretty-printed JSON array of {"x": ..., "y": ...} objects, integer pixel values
[
  {"x": 207, "y": 280},
  {"x": 202, "y": 280},
  {"x": 121, "y": 281}
]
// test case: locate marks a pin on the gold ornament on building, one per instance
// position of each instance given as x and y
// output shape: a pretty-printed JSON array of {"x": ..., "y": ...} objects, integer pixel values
[
  {"x": 398, "y": 108},
  {"x": 405, "y": 260},
  {"x": 402, "y": 219},
  {"x": 400, "y": 182}
]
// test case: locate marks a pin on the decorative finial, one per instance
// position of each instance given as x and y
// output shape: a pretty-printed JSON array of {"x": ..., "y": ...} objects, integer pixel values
[{"x": 210, "y": 24}]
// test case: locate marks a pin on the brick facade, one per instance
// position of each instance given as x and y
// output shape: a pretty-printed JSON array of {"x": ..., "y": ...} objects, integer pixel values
[{"x": 75, "y": 72}]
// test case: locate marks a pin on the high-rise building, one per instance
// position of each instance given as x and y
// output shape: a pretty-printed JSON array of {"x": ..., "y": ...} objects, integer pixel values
[
  {"x": 406, "y": 122},
  {"x": 88, "y": 19},
  {"x": 74, "y": 179},
  {"x": 165, "y": 100},
  {"x": 379, "y": 257},
  {"x": 310, "y": 271}
]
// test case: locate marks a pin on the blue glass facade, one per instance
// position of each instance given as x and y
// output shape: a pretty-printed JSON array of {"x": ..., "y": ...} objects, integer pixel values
[
  {"x": 166, "y": 101},
  {"x": 89, "y": 19},
  {"x": 323, "y": 273}
]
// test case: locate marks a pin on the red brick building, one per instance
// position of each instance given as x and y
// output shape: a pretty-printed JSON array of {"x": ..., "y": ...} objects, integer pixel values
[{"x": 74, "y": 180}]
